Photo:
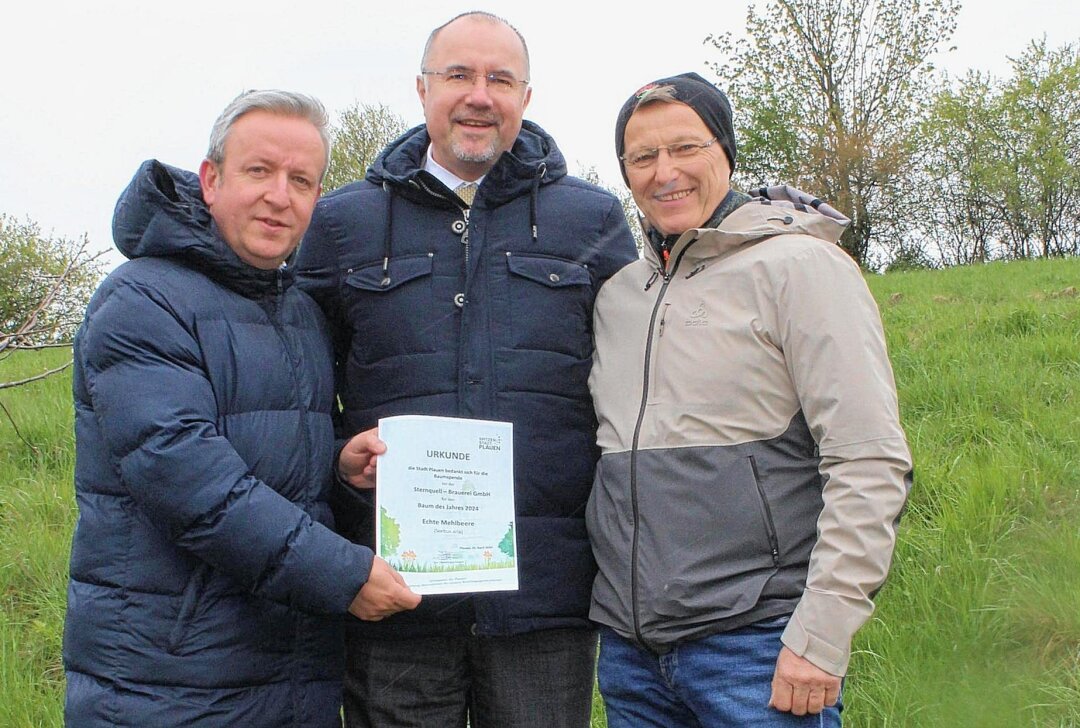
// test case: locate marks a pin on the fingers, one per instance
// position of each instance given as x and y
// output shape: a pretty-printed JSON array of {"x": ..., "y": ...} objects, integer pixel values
[
  {"x": 359, "y": 458},
  {"x": 385, "y": 593},
  {"x": 367, "y": 442},
  {"x": 799, "y": 687}
]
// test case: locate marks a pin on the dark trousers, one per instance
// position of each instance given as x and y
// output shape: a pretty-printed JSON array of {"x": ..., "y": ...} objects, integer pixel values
[{"x": 540, "y": 679}]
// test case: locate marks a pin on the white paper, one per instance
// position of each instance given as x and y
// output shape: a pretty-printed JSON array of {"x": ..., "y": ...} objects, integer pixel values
[{"x": 445, "y": 500}]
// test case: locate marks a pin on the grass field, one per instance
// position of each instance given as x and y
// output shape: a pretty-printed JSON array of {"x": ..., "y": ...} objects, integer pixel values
[{"x": 979, "y": 624}]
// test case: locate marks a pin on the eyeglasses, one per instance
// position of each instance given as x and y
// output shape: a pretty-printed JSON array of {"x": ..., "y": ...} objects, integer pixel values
[
  {"x": 465, "y": 78},
  {"x": 643, "y": 158}
]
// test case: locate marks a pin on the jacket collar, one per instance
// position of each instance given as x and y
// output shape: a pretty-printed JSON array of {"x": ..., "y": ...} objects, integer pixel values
[
  {"x": 534, "y": 155},
  {"x": 772, "y": 211}
]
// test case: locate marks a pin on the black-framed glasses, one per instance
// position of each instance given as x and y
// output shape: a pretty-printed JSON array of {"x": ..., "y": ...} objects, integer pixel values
[
  {"x": 644, "y": 158},
  {"x": 465, "y": 78}
]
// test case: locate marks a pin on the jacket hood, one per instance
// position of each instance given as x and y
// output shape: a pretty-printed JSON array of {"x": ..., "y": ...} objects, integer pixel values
[
  {"x": 778, "y": 210},
  {"x": 162, "y": 214},
  {"x": 534, "y": 158}
]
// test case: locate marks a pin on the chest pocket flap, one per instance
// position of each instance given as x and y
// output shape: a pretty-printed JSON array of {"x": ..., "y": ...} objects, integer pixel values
[
  {"x": 401, "y": 270},
  {"x": 551, "y": 272}
]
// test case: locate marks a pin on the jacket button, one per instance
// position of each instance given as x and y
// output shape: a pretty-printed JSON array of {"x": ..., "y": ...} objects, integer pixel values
[
  {"x": 554, "y": 277},
  {"x": 459, "y": 300},
  {"x": 458, "y": 226}
]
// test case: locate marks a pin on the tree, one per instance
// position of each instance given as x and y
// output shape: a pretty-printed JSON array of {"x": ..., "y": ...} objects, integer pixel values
[
  {"x": 47, "y": 282},
  {"x": 1001, "y": 176},
  {"x": 361, "y": 132},
  {"x": 961, "y": 172},
  {"x": 507, "y": 543},
  {"x": 390, "y": 533},
  {"x": 825, "y": 95},
  {"x": 1040, "y": 141}
]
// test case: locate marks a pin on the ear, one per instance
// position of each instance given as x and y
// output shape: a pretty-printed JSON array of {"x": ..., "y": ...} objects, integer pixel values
[
  {"x": 527, "y": 99},
  {"x": 208, "y": 180},
  {"x": 421, "y": 90}
]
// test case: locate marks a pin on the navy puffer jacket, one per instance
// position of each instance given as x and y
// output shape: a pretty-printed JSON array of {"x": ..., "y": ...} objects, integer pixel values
[
  {"x": 207, "y": 585},
  {"x": 486, "y": 316}
]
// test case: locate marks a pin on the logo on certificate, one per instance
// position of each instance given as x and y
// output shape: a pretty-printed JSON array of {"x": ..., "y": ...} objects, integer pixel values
[{"x": 490, "y": 443}]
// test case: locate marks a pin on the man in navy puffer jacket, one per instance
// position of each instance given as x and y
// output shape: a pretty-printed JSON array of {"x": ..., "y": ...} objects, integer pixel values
[
  {"x": 481, "y": 307},
  {"x": 207, "y": 585}
]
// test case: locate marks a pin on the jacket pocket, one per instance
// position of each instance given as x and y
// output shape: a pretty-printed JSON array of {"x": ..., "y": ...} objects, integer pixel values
[
  {"x": 400, "y": 291},
  {"x": 706, "y": 547},
  {"x": 550, "y": 304},
  {"x": 766, "y": 513}
]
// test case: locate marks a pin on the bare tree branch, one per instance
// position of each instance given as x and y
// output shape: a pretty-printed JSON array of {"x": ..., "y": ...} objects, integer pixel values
[{"x": 36, "y": 377}]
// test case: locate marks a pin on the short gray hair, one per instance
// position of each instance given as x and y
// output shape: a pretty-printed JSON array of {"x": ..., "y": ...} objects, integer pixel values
[
  {"x": 285, "y": 103},
  {"x": 483, "y": 15},
  {"x": 663, "y": 94}
]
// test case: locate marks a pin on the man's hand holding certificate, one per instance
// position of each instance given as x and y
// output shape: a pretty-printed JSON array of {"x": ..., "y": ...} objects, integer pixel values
[{"x": 445, "y": 501}]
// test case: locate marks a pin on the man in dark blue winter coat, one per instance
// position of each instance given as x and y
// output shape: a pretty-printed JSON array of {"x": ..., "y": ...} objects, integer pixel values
[
  {"x": 474, "y": 304},
  {"x": 207, "y": 585}
]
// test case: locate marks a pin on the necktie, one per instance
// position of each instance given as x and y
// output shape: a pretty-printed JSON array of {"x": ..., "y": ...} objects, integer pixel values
[{"x": 467, "y": 192}]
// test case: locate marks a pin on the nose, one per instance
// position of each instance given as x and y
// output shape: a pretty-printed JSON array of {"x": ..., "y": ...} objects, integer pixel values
[
  {"x": 479, "y": 94},
  {"x": 666, "y": 168},
  {"x": 277, "y": 190}
]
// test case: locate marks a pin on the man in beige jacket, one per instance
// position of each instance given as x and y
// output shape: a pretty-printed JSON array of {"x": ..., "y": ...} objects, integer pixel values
[{"x": 753, "y": 467}]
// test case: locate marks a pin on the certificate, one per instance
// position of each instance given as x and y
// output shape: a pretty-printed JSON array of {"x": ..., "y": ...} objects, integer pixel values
[{"x": 445, "y": 497}]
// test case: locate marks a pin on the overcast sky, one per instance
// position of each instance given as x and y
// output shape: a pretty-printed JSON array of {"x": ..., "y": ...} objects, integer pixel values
[{"x": 91, "y": 89}]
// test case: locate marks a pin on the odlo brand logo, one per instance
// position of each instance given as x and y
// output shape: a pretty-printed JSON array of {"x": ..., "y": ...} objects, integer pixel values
[{"x": 699, "y": 316}]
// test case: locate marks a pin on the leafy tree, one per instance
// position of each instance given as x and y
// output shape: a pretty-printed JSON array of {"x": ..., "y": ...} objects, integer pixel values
[
  {"x": 960, "y": 178},
  {"x": 390, "y": 533},
  {"x": 46, "y": 283},
  {"x": 361, "y": 132},
  {"x": 507, "y": 543},
  {"x": 1040, "y": 141},
  {"x": 1001, "y": 177},
  {"x": 825, "y": 95}
]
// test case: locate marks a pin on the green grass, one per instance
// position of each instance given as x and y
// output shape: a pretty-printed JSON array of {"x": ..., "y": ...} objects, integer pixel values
[
  {"x": 979, "y": 624},
  {"x": 37, "y": 512}
]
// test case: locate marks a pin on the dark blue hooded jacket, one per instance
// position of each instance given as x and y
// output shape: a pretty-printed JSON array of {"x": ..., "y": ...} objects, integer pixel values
[
  {"x": 487, "y": 316},
  {"x": 207, "y": 587}
]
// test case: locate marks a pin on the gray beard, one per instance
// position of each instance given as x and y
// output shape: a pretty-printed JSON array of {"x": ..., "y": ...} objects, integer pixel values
[{"x": 481, "y": 157}]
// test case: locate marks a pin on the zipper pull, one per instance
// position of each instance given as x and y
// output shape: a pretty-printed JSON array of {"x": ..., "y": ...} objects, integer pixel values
[{"x": 663, "y": 319}]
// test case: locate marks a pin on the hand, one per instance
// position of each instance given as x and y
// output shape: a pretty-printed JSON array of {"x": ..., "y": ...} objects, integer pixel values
[
  {"x": 384, "y": 594},
  {"x": 800, "y": 687},
  {"x": 358, "y": 459}
]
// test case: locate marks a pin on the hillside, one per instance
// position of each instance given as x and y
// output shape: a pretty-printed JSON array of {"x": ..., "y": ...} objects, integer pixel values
[{"x": 978, "y": 624}]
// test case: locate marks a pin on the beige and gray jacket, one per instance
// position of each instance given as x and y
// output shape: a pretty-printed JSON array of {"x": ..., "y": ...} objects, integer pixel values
[{"x": 753, "y": 463}]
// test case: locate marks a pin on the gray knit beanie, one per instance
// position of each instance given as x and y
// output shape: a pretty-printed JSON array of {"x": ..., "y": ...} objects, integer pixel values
[{"x": 707, "y": 100}]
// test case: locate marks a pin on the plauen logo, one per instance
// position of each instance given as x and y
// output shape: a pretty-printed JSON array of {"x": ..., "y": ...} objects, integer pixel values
[
  {"x": 699, "y": 316},
  {"x": 491, "y": 443}
]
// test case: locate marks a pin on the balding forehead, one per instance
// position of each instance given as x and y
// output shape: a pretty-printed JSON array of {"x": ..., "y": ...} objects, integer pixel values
[{"x": 476, "y": 17}]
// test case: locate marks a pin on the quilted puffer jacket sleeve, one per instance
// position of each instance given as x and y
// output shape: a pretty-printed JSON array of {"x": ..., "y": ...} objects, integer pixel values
[{"x": 157, "y": 412}]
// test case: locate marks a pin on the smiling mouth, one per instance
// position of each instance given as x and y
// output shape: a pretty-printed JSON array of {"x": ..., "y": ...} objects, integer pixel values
[
  {"x": 270, "y": 222},
  {"x": 672, "y": 197},
  {"x": 475, "y": 123}
]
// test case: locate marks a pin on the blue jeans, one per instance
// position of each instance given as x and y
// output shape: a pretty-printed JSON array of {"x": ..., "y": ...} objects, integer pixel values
[
  {"x": 721, "y": 680},
  {"x": 534, "y": 680}
]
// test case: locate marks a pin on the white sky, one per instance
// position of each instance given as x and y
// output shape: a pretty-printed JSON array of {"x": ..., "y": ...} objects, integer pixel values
[{"x": 88, "y": 90}]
